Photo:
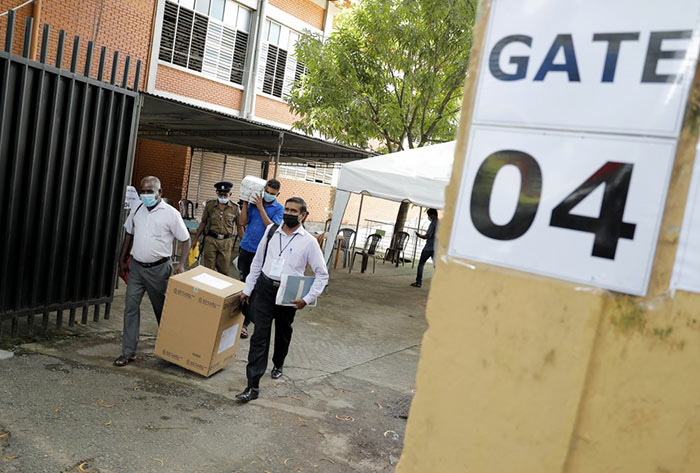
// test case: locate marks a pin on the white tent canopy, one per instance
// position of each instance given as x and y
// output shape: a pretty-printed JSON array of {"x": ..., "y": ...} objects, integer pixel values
[{"x": 417, "y": 175}]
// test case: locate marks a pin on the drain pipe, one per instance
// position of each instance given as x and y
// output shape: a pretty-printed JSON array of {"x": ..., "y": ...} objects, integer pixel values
[
  {"x": 248, "y": 105},
  {"x": 327, "y": 20},
  {"x": 36, "y": 14}
]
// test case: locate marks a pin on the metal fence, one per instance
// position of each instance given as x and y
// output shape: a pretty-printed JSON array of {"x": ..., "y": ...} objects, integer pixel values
[{"x": 66, "y": 149}]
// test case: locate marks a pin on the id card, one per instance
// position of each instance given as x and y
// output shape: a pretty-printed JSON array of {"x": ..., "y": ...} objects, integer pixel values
[{"x": 276, "y": 266}]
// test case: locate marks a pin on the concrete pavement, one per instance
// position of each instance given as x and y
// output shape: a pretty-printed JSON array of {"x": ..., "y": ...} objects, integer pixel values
[{"x": 340, "y": 406}]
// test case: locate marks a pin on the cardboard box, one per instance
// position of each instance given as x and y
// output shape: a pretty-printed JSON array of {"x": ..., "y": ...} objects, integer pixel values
[
  {"x": 251, "y": 188},
  {"x": 201, "y": 322}
]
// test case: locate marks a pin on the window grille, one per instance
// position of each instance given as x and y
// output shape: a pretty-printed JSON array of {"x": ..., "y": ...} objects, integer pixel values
[{"x": 209, "y": 36}]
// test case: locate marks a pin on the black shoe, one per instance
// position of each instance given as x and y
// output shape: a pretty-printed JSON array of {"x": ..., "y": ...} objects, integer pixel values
[
  {"x": 416, "y": 284},
  {"x": 276, "y": 373},
  {"x": 248, "y": 395}
]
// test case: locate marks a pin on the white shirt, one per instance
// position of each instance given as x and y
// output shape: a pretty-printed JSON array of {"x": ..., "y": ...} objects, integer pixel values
[
  {"x": 297, "y": 249},
  {"x": 154, "y": 231}
]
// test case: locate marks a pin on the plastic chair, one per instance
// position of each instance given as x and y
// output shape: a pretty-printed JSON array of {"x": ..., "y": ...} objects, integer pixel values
[
  {"x": 370, "y": 249},
  {"x": 397, "y": 247},
  {"x": 186, "y": 209},
  {"x": 345, "y": 244}
]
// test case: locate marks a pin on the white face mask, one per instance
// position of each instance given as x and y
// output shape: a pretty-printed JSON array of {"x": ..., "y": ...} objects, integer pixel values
[{"x": 223, "y": 200}]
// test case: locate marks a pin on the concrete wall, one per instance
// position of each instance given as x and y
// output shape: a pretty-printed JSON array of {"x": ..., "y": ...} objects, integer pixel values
[{"x": 526, "y": 374}]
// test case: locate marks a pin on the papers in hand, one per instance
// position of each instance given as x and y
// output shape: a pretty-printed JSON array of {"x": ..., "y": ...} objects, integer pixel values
[{"x": 293, "y": 287}]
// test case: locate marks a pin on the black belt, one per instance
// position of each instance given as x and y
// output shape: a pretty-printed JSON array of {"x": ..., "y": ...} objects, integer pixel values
[
  {"x": 269, "y": 280},
  {"x": 155, "y": 263},
  {"x": 219, "y": 236}
]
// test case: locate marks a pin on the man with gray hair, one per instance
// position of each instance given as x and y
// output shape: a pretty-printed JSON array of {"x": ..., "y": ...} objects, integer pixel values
[{"x": 150, "y": 230}]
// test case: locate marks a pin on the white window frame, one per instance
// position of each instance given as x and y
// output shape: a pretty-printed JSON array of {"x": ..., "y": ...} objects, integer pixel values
[
  {"x": 310, "y": 172},
  {"x": 212, "y": 52},
  {"x": 286, "y": 42}
]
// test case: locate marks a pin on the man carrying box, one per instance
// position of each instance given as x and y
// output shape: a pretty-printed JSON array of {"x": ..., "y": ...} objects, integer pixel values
[
  {"x": 256, "y": 219},
  {"x": 150, "y": 230},
  {"x": 283, "y": 250}
]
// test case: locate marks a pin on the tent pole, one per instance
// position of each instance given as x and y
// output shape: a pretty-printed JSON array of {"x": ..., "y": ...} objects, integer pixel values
[
  {"x": 415, "y": 246},
  {"x": 199, "y": 179},
  {"x": 357, "y": 231}
]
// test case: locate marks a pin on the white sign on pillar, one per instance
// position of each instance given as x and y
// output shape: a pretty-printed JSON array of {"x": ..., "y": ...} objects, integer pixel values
[
  {"x": 686, "y": 269},
  {"x": 577, "y": 114}
]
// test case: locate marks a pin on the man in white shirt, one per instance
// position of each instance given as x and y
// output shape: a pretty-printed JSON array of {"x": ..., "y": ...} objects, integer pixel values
[
  {"x": 150, "y": 230},
  {"x": 286, "y": 251}
]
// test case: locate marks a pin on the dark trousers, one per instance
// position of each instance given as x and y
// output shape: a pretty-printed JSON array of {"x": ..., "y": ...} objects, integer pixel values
[
  {"x": 424, "y": 256},
  {"x": 245, "y": 259},
  {"x": 267, "y": 311}
]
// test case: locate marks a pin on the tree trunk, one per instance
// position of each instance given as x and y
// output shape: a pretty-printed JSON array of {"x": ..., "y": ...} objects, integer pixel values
[
  {"x": 398, "y": 226},
  {"x": 401, "y": 217}
]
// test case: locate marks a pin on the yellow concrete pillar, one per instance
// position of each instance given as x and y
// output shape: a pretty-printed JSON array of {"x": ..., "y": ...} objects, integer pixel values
[{"x": 527, "y": 374}]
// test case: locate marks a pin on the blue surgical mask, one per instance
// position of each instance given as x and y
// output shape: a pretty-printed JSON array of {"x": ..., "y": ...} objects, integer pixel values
[
  {"x": 223, "y": 200},
  {"x": 268, "y": 197},
  {"x": 149, "y": 200}
]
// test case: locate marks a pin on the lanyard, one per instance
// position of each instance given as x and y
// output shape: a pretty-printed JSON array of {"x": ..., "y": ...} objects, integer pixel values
[{"x": 288, "y": 243}]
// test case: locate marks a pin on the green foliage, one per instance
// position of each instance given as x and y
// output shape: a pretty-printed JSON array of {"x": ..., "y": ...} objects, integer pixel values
[
  {"x": 392, "y": 71},
  {"x": 628, "y": 316},
  {"x": 663, "y": 333}
]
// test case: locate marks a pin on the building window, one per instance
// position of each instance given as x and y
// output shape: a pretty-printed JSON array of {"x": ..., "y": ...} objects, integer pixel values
[
  {"x": 312, "y": 172},
  {"x": 274, "y": 71},
  {"x": 299, "y": 72},
  {"x": 280, "y": 69},
  {"x": 207, "y": 36}
]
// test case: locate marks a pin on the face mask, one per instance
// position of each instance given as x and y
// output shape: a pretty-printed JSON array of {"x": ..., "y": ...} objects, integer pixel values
[
  {"x": 291, "y": 220},
  {"x": 268, "y": 197},
  {"x": 223, "y": 200},
  {"x": 149, "y": 200}
]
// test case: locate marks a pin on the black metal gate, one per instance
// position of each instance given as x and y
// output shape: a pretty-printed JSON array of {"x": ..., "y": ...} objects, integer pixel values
[{"x": 66, "y": 151}]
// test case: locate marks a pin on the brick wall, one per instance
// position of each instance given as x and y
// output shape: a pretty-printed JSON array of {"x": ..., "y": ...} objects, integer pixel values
[
  {"x": 20, "y": 19},
  {"x": 169, "y": 163},
  {"x": 305, "y": 10},
  {"x": 197, "y": 87},
  {"x": 316, "y": 196},
  {"x": 275, "y": 110},
  {"x": 122, "y": 25}
]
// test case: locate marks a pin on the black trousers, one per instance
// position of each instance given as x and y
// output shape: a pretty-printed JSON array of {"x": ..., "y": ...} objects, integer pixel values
[
  {"x": 245, "y": 259},
  {"x": 266, "y": 311}
]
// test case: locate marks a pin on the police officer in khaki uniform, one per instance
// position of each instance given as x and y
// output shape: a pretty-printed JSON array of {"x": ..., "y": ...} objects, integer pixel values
[{"x": 219, "y": 222}]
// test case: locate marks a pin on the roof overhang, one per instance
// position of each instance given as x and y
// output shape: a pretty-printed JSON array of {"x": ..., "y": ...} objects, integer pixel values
[{"x": 172, "y": 121}]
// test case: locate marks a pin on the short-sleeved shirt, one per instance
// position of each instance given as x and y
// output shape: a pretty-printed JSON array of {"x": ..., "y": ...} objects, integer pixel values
[
  {"x": 256, "y": 227},
  {"x": 154, "y": 231},
  {"x": 430, "y": 241},
  {"x": 224, "y": 221}
]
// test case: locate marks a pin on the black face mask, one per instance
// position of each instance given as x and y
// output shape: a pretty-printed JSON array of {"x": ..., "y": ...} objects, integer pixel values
[{"x": 291, "y": 220}]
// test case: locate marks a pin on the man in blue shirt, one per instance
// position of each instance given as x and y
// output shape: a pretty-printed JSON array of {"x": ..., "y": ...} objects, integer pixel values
[
  {"x": 255, "y": 219},
  {"x": 429, "y": 248}
]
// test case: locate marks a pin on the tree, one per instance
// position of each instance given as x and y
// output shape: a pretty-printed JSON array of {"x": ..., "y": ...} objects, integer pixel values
[{"x": 391, "y": 72}]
